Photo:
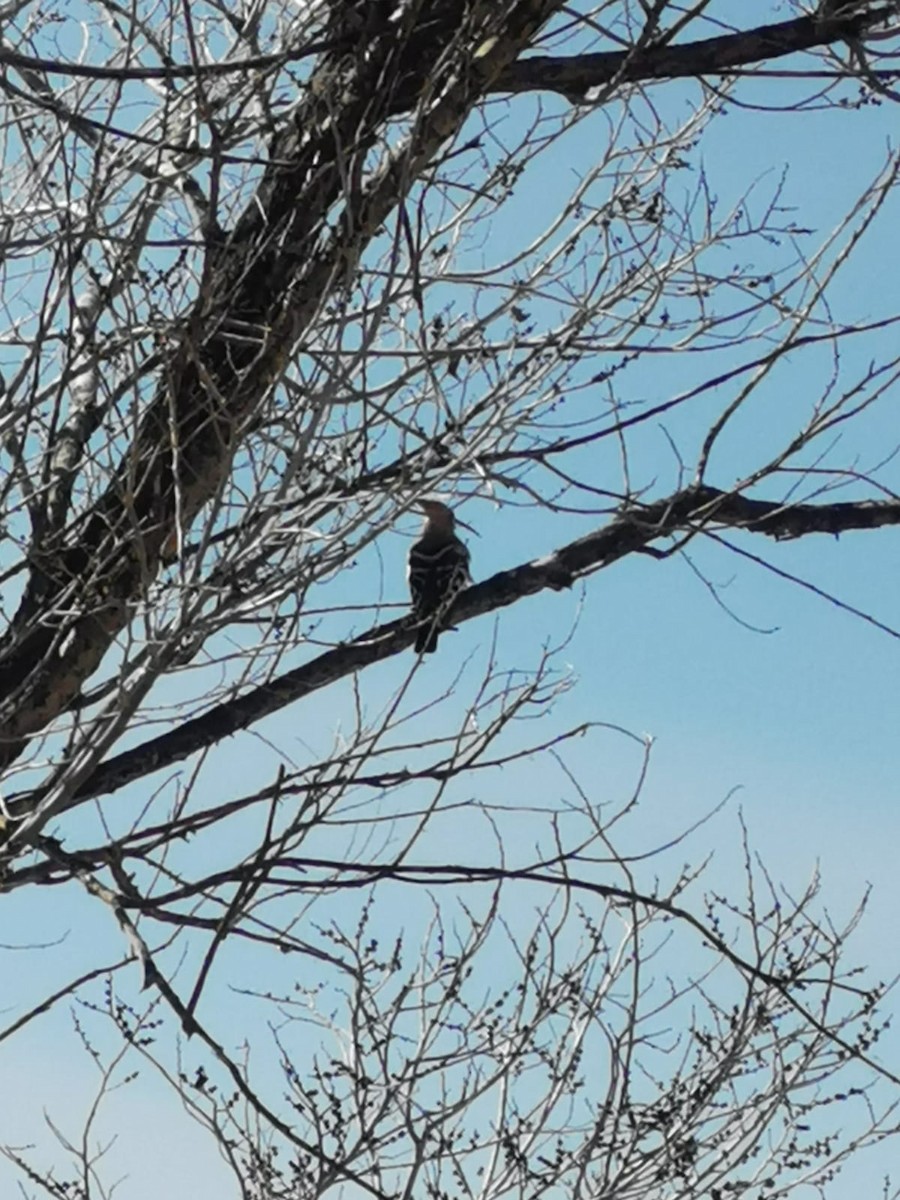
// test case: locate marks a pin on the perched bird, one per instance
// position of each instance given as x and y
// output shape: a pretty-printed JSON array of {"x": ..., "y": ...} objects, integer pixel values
[{"x": 438, "y": 568}]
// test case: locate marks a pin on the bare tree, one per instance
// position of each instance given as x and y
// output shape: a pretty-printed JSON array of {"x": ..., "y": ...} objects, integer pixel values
[{"x": 271, "y": 275}]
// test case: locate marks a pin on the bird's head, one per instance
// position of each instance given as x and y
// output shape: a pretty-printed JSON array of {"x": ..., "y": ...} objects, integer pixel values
[{"x": 440, "y": 516}]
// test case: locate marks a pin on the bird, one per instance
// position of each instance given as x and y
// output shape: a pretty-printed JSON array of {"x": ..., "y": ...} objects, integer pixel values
[{"x": 437, "y": 570}]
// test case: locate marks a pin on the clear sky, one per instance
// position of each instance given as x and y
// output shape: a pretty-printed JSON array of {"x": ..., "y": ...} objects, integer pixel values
[{"x": 787, "y": 704}]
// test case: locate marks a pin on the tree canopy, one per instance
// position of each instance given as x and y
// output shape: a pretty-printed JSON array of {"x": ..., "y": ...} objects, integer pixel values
[{"x": 271, "y": 274}]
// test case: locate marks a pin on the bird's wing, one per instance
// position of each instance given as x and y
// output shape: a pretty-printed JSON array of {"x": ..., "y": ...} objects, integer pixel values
[{"x": 436, "y": 572}]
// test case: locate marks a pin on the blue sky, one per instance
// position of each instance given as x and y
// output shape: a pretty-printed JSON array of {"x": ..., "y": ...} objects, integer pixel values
[{"x": 797, "y": 724}]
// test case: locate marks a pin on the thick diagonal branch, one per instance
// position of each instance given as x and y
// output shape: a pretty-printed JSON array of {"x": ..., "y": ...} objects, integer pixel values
[
  {"x": 634, "y": 531},
  {"x": 265, "y": 284}
]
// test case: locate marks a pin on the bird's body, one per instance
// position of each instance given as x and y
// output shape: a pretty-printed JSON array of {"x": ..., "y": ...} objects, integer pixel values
[{"x": 438, "y": 569}]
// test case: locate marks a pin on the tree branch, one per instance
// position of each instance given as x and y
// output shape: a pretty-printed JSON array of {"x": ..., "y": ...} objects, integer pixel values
[
  {"x": 575, "y": 76},
  {"x": 636, "y": 529}
]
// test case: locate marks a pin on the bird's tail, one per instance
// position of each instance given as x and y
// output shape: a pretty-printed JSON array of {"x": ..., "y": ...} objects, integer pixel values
[{"x": 427, "y": 638}]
